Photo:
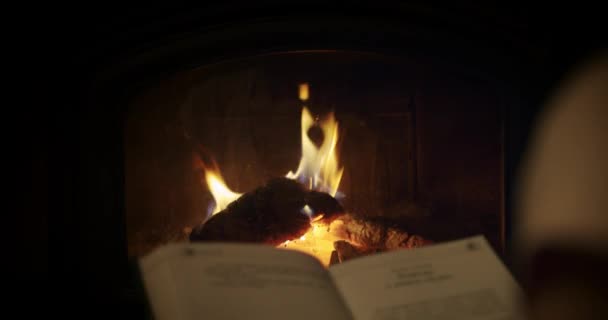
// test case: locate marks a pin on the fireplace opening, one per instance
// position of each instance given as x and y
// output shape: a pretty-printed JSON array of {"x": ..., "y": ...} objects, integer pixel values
[{"x": 339, "y": 154}]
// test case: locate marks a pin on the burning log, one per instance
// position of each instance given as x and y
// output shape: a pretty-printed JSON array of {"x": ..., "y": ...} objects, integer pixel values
[
  {"x": 279, "y": 211},
  {"x": 367, "y": 236},
  {"x": 373, "y": 234}
]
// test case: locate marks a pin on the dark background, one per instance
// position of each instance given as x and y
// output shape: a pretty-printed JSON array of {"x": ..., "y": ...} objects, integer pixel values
[{"x": 70, "y": 169}]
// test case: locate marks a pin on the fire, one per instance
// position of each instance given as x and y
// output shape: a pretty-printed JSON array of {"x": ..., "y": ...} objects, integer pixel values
[
  {"x": 318, "y": 242},
  {"x": 222, "y": 195},
  {"x": 318, "y": 168},
  {"x": 303, "y": 90}
]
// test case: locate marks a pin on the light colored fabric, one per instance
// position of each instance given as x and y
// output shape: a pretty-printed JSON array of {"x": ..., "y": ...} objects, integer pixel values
[{"x": 564, "y": 186}]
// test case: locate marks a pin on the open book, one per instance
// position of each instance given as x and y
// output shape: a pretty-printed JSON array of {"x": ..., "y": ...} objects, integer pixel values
[{"x": 456, "y": 280}]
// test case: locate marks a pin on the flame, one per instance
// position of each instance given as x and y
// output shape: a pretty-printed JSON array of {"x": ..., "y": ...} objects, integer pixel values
[
  {"x": 303, "y": 90},
  {"x": 222, "y": 195},
  {"x": 318, "y": 168}
]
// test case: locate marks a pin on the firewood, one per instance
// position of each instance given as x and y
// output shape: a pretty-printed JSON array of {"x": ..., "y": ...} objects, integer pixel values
[
  {"x": 269, "y": 214},
  {"x": 374, "y": 234}
]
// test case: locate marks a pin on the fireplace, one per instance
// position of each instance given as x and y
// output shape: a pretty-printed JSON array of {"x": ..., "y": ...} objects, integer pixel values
[
  {"x": 411, "y": 149},
  {"x": 428, "y": 107},
  {"x": 460, "y": 88}
]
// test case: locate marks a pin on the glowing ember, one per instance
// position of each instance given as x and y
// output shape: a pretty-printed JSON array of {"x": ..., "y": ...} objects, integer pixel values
[{"x": 318, "y": 242}]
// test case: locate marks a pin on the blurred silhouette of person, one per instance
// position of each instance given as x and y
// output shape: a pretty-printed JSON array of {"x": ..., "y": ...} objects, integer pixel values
[{"x": 562, "y": 226}]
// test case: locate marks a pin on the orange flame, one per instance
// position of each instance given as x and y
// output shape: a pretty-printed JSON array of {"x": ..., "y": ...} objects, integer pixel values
[
  {"x": 318, "y": 167},
  {"x": 222, "y": 195},
  {"x": 303, "y": 90},
  {"x": 318, "y": 170}
]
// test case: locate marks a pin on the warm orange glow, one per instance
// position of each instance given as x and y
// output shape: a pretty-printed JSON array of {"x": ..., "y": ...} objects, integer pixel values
[
  {"x": 318, "y": 242},
  {"x": 319, "y": 169},
  {"x": 303, "y": 89}
]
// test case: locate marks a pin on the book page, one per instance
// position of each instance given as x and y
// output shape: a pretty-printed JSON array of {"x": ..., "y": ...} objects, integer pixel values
[
  {"x": 456, "y": 280},
  {"x": 238, "y": 281}
]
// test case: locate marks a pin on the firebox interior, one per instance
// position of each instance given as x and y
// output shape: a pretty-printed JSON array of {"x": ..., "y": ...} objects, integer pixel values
[{"x": 419, "y": 142}]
